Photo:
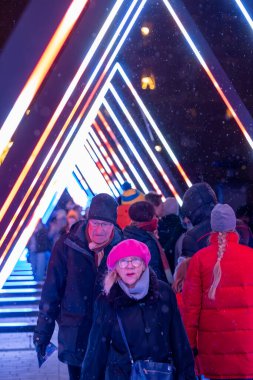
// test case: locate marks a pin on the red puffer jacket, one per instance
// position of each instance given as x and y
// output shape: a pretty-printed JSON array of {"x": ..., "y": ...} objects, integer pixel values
[{"x": 221, "y": 329}]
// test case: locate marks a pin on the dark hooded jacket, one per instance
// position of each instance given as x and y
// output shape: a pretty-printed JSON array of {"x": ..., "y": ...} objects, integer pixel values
[
  {"x": 70, "y": 287},
  {"x": 153, "y": 329},
  {"x": 198, "y": 202},
  {"x": 133, "y": 232}
]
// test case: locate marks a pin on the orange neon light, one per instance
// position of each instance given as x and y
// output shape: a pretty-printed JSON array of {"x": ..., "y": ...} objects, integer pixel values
[
  {"x": 36, "y": 79},
  {"x": 41, "y": 69}
]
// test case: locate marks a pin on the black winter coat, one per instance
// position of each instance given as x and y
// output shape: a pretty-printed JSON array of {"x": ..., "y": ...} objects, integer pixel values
[
  {"x": 169, "y": 231},
  {"x": 153, "y": 328},
  {"x": 70, "y": 287},
  {"x": 133, "y": 232},
  {"x": 198, "y": 203}
]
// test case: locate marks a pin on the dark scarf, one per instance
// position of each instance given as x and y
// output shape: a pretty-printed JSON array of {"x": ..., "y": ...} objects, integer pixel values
[{"x": 150, "y": 226}]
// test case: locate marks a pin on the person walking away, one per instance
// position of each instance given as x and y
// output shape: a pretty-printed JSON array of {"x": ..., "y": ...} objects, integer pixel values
[
  {"x": 74, "y": 278},
  {"x": 217, "y": 301},
  {"x": 198, "y": 203},
  {"x": 126, "y": 199},
  {"x": 39, "y": 251},
  {"x": 169, "y": 226},
  {"x": 143, "y": 227},
  {"x": 147, "y": 311}
]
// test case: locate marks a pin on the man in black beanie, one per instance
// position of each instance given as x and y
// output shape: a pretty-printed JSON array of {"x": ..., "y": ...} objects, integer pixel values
[{"x": 74, "y": 275}]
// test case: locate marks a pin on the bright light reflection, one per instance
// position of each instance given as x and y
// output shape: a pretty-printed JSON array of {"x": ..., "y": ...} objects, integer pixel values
[{"x": 245, "y": 12}]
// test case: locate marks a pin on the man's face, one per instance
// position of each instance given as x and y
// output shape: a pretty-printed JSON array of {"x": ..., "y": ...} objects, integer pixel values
[{"x": 99, "y": 230}]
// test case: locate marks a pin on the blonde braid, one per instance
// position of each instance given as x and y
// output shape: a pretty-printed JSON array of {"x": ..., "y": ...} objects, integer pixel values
[
  {"x": 222, "y": 240},
  {"x": 110, "y": 279}
]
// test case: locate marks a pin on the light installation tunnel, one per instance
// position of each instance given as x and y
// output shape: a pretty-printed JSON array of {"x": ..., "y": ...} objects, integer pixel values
[{"x": 82, "y": 118}]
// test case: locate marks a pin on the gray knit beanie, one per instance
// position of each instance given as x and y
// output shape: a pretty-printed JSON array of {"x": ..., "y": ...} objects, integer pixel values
[
  {"x": 223, "y": 218},
  {"x": 103, "y": 207}
]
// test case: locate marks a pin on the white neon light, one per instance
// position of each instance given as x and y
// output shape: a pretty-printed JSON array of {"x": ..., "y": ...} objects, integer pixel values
[
  {"x": 106, "y": 155},
  {"x": 245, "y": 13},
  {"x": 80, "y": 179},
  {"x": 124, "y": 155},
  {"x": 77, "y": 194},
  {"x": 103, "y": 163},
  {"x": 152, "y": 123},
  {"x": 93, "y": 177},
  {"x": 103, "y": 170},
  {"x": 131, "y": 146},
  {"x": 99, "y": 155},
  {"x": 145, "y": 144},
  {"x": 22, "y": 103}
]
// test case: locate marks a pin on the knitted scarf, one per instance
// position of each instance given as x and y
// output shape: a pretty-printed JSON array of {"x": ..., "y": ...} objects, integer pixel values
[
  {"x": 140, "y": 289},
  {"x": 98, "y": 249}
]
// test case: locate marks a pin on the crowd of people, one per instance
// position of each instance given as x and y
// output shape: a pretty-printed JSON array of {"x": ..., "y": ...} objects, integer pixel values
[
  {"x": 139, "y": 282},
  {"x": 45, "y": 236}
]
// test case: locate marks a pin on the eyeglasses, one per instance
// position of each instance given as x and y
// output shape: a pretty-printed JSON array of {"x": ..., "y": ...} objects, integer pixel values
[
  {"x": 96, "y": 224},
  {"x": 136, "y": 262}
]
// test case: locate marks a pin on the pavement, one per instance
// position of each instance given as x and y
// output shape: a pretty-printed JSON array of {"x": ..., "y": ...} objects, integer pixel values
[{"x": 18, "y": 360}]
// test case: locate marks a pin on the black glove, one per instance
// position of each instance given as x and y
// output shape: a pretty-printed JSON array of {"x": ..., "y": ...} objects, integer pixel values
[
  {"x": 40, "y": 341},
  {"x": 41, "y": 349}
]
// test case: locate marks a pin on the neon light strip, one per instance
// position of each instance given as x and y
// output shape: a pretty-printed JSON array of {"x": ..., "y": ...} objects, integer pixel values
[
  {"x": 123, "y": 153},
  {"x": 99, "y": 155},
  {"x": 58, "y": 111},
  {"x": 76, "y": 192},
  {"x": 131, "y": 146},
  {"x": 70, "y": 156},
  {"x": 93, "y": 177},
  {"x": 245, "y": 13},
  {"x": 154, "y": 125},
  {"x": 208, "y": 71},
  {"x": 101, "y": 169},
  {"x": 113, "y": 154},
  {"x": 142, "y": 139},
  {"x": 107, "y": 157},
  {"x": 96, "y": 105},
  {"x": 103, "y": 162},
  {"x": 40, "y": 71}
]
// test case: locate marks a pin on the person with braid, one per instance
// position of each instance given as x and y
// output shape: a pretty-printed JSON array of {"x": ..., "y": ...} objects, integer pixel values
[{"x": 218, "y": 302}]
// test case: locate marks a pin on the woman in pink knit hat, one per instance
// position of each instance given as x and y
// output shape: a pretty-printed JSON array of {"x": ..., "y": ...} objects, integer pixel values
[{"x": 145, "y": 308}]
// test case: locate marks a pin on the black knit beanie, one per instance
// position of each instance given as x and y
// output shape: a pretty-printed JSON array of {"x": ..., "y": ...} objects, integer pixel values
[
  {"x": 103, "y": 207},
  {"x": 141, "y": 211}
]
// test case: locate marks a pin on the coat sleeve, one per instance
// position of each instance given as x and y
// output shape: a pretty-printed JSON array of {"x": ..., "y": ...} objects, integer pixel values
[
  {"x": 189, "y": 246},
  {"x": 192, "y": 300},
  {"x": 181, "y": 350},
  {"x": 52, "y": 294},
  {"x": 95, "y": 360}
]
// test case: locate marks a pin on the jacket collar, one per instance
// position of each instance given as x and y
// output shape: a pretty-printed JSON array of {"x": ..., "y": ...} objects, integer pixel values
[
  {"x": 77, "y": 240},
  {"x": 232, "y": 237}
]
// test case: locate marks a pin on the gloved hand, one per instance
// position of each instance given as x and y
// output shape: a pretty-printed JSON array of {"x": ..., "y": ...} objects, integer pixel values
[
  {"x": 40, "y": 341},
  {"x": 41, "y": 349}
]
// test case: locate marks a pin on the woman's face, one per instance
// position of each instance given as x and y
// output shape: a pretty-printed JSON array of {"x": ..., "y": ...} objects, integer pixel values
[{"x": 130, "y": 270}]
